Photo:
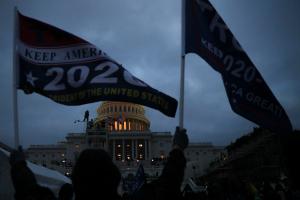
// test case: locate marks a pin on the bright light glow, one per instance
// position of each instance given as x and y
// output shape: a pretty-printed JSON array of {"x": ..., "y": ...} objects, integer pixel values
[
  {"x": 116, "y": 125},
  {"x": 140, "y": 145}
]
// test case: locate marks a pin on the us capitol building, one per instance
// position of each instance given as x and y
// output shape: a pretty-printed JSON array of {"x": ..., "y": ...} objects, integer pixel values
[{"x": 124, "y": 131}]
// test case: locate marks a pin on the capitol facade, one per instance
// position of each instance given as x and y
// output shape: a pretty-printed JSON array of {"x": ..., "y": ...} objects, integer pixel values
[{"x": 124, "y": 131}]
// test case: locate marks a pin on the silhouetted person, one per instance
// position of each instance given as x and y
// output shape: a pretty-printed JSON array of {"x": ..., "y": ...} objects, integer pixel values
[
  {"x": 91, "y": 123},
  {"x": 25, "y": 184},
  {"x": 65, "y": 192},
  {"x": 95, "y": 176},
  {"x": 268, "y": 192},
  {"x": 86, "y": 116},
  {"x": 168, "y": 184}
]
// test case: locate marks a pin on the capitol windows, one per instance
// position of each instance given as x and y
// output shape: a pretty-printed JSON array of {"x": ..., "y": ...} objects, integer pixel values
[
  {"x": 118, "y": 149},
  {"x": 116, "y": 125},
  {"x": 128, "y": 150},
  {"x": 111, "y": 109},
  {"x": 141, "y": 150},
  {"x": 120, "y": 126},
  {"x": 124, "y": 109},
  {"x": 125, "y": 125},
  {"x": 116, "y": 110},
  {"x": 128, "y": 125},
  {"x": 119, "y": 156}
]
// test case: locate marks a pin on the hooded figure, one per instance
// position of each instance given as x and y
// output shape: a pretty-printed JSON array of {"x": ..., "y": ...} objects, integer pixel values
[{"x": 95, "y": 176}]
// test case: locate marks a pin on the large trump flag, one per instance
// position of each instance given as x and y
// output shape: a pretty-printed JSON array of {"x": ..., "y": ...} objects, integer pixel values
[
  {"x": 207, "y": 35},
  {"x": 71, "y": 71}
]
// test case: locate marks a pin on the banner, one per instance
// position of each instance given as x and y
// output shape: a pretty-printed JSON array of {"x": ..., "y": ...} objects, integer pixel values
[
  {"x": 132, "y": 185},
  {"x": 207, "y": 35},
  {"x": 140, "y": 177},
  {"x": 71, "y": 71}
]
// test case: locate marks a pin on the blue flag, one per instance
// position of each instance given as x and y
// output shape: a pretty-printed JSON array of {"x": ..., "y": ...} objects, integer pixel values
[
  {"x": 140, "y": 178},
  {"x": 207, "y": 35}
]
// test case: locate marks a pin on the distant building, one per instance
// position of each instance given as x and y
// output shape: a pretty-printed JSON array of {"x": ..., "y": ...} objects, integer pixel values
[
  {"x": 124, "y": 131},
  {"x": 200, "y": 156}
]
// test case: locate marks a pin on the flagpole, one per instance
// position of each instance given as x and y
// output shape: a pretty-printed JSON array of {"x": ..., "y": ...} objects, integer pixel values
[
  {"x": 182, "y": 68},
  {"x": 15, "y": 80}
]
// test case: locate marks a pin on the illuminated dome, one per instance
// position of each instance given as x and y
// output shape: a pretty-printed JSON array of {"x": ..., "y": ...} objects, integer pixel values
[{"x": 122, "y": 116}]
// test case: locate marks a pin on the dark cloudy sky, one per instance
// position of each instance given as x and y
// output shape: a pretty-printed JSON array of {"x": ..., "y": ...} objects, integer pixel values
[{"x": 145, "y": 37}]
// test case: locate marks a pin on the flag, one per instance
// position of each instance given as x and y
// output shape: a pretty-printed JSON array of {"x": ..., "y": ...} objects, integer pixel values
[
  {"x": 140, "y": 178},
  {"x": 72, "y": 71},
  {"x": 132, "y": 185},
  {"x": 207, "y": 35},
  {"x": 120, "y": 119}
]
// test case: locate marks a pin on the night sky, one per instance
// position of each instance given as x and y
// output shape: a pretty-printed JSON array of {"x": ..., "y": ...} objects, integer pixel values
[{"x": 144, "y": 36}]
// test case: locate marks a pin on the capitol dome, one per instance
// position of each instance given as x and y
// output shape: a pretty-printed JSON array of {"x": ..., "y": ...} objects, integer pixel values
[{"x": 122, "y": 116}]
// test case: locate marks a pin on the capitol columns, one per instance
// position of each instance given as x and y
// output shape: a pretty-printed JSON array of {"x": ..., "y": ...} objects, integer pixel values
[
  {"x": 132, "y": 143},
  {"x": 146, "y": 148},
  {"x": 150, "y": 150},
  {"x": 136, "y": 149},
  {"x": 123, "y": 150},
  {"x": 113, "y": 149}
]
